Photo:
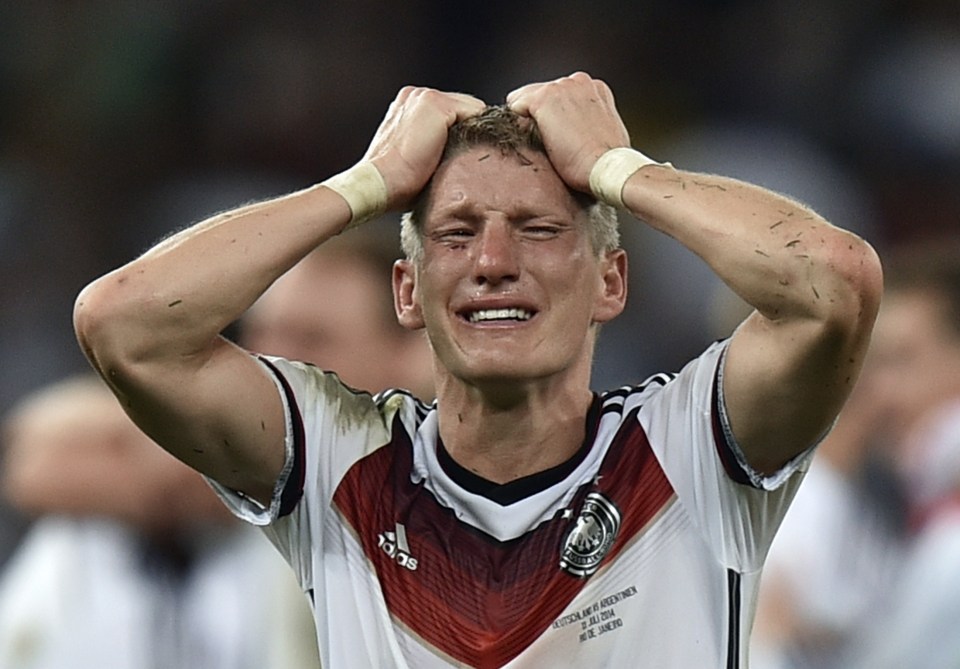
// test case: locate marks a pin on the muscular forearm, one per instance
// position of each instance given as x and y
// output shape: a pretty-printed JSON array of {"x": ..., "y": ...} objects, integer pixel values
[
  {"x": 778, "y": 255},
  {"x": 175, "y": 299},
  {"x": 816, "y": 290}
]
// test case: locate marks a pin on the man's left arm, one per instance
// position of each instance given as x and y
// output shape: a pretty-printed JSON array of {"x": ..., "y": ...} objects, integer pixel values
[{"x": 815, "y": 288}]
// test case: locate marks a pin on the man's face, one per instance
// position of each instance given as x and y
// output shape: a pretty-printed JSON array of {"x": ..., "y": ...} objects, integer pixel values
[
  {"x": 329, "y": 311},
  {"x": 914, "y": 359},
  {"x": 508, "y": 287}
]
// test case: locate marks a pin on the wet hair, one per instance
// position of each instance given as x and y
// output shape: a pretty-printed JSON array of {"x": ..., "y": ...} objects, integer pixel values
[{"x": 513, "y": 135}]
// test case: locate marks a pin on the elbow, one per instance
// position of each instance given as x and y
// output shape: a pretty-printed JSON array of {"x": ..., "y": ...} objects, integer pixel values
[
  {"x": 90, "y": 322},
  {"x": 865, "y": 277},
  {"x": 859, "y": 276},
  {"x": 102, "y": 321},
  {"x": 128, "y": 331},
  {"x": 84, "y": 320}
]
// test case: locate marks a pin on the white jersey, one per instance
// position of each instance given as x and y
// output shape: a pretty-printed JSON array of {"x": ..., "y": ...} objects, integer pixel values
[
  {"x": 90, "y": 593},
  {"x": 643, "y": 550}
]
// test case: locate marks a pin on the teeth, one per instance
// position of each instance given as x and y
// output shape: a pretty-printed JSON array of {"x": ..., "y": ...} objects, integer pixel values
[{"x": 500, "y": 314}]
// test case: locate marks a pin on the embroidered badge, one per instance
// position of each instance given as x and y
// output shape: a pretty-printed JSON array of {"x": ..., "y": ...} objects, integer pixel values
[{"x": 592, "y": 536}]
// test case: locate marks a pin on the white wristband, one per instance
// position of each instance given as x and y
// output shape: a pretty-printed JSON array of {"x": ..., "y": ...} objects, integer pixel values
[
  {"x": 611, "y": 171},
  {"x": 363, "y": 188}
]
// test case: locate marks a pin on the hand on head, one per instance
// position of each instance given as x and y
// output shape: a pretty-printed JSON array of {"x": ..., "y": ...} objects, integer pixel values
[
  {"x": 407, "y": 146},
  {"x": 578, "y": 121},
  {"x": 576, "y": 116}
]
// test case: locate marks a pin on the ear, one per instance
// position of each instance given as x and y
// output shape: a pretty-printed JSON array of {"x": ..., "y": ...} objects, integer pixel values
[
  {"x": 406, "y": 298},
  {"x": 613, "y": 291}
]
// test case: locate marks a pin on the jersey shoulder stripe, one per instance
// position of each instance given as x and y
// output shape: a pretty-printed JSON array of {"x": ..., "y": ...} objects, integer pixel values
[{"x": 293, "y": 489}]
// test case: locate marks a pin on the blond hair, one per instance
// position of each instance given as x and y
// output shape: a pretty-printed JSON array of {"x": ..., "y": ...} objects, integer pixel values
[{"x": 500, "y": 128}]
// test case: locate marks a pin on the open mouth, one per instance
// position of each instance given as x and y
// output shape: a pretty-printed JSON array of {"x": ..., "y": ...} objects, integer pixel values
[{"x": 498, "y": 315}]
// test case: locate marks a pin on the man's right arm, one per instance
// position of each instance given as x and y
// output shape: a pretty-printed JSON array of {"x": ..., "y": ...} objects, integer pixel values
[
  {"x": 152, "y": 327},
  {"x": 152, "y": 330}
]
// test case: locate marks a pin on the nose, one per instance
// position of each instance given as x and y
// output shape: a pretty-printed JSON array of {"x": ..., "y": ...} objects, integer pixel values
[{"x": 496, "y": 257}]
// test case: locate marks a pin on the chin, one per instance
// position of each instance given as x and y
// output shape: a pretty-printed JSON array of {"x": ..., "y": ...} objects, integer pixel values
[{"x": 509, "y": 372}]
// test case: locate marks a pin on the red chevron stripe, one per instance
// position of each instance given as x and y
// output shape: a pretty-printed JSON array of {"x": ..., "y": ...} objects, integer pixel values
[{"x": 472, "y": 597}]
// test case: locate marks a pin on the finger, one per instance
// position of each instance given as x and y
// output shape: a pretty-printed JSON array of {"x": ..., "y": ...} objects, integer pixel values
[
  {"x": 403, "y": 95},
  {"x": 468, "y": 99},
  {"x": 605, "y": 93},
  {"x": 522, "y": 103},
  {"x": 396, "y": 106},
  {"x": 465, "y": 106},
  {"x": 519, "y": 99},
  {"x": 453, "y": 105},
  {"x": 537, "y": 87},
  {"x": 519, "y": 105}
]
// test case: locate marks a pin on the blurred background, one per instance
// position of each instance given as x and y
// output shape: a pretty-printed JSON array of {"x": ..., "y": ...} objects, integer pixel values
[{"x": 124, "y": 120}]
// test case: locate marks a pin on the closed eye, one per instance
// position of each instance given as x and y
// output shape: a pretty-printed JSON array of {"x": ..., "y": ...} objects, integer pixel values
[
  {"x": 538, "y": 230},
  {"x": 457, "y": 233}
]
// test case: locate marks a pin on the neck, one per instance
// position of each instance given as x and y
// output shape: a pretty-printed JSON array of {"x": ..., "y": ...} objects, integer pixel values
[{"x": 503, "y": 432}]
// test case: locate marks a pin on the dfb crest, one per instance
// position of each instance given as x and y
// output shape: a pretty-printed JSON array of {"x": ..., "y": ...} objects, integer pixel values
[{"x": 591, "y": 537}]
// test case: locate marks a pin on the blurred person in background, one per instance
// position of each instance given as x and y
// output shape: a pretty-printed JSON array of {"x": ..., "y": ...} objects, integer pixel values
[
  {"x": 863, "y": 571},
  {"x": 918, "y": 626},
  {"x": 105, "y": 495},
  {"x": 836, "y": 551},
  {"x": 78, "y": 463},
  {"x": 131, "y": 562},
  {"x": 69, "y": 456},
  {"x": 915, "y": 355},
  {"x": 334, "y": 310},
  {"x": 916, "y": 368}
]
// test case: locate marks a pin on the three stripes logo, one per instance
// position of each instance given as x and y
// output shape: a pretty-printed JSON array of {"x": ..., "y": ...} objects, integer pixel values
[{"x": 395, "y": 545}]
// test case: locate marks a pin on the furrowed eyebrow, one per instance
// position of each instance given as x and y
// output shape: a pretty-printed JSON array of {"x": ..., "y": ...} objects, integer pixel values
[{"x": 468, "y": 211}]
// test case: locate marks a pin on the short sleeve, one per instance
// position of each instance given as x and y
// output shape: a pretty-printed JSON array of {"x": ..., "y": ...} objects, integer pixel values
[{"x": 737, "y": 510}]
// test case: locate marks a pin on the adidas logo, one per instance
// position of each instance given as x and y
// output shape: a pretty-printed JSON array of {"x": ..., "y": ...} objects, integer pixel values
[{"x": 395, "y": 545}]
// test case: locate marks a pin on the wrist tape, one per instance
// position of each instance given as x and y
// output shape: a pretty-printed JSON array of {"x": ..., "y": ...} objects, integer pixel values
[
  {"x": 363, "y": 188},
  {"x": 611, "y": 171}
]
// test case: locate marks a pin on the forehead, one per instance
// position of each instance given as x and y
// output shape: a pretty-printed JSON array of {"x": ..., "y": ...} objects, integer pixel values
[
  {"x": 318, "y": 282},
  {"x": 485, "y": 179}
]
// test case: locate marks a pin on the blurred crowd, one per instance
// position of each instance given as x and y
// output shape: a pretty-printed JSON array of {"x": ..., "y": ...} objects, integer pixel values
[{"x": 123, "y": 120}]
